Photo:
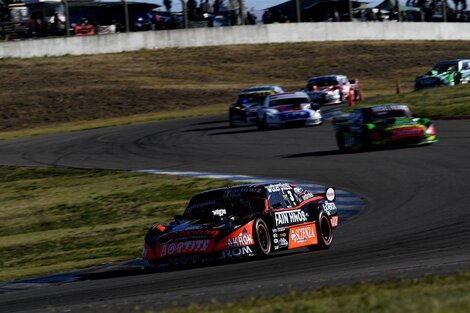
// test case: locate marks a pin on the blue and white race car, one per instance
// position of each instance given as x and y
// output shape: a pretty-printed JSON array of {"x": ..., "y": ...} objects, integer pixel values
[
  {"x": 243, "y": 110},
  {"x": 289, "y": 109}
]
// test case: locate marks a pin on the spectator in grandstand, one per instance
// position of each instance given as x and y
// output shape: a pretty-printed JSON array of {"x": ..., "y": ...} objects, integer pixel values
[
  {"x": 57, "y": 26},
  {"x": 250, "y": 17},
  {"x": 267, "y": 17}
]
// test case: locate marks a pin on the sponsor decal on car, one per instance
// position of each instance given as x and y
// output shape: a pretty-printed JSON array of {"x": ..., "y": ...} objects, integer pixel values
[
  {"x": 334, "y": 221},
  {"x": 187, "y": 234},
  {"x": 307, "y": 196},
  {"x": 278, "y": 187},
  {"x": 243, "y": 239},
  {"x": 182, "y": 247},
  {"x": 302, "y": 236},
  {"x": 219, "y": 212},
  {"x": 290, "y": 217},
  {"x": 186, "y": 259},
  {"x": 237, "y": 252},
  {"x": 283, "y": 242},
  {"x": 294, "y": 115},
  {"x": 329, "y": 207},
  {"x": 236, "y": 192}
]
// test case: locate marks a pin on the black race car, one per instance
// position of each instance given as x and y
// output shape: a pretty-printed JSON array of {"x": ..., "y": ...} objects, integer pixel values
[
  {"x": 242, "y": 111},
  {"x": 243, "y": 221}
]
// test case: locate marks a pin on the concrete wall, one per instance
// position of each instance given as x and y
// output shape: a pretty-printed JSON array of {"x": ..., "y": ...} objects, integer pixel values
[{"x": 273, "y": 33}]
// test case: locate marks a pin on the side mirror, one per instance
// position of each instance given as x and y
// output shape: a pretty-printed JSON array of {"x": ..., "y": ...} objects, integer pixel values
[
  {"x": 352, "y": 81},
  {"x": 314, "y": 106},
  {"x": 178, "y": 217}
]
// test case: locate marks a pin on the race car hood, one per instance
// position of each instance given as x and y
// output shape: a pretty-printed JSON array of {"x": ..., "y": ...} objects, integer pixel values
[
  {"x": 192, "y": 237},
  {"x": 405, "y": 128},
  {"x": 430, "y": 77}
]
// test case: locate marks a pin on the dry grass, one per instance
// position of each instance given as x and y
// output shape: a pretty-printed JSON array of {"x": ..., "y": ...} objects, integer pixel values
[{"x": 49, "y": 91}]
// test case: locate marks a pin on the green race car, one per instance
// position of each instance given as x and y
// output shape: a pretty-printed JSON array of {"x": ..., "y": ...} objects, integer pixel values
[
  {"x": 445, "y": 73},
  {"x": 382, "y": 126}
]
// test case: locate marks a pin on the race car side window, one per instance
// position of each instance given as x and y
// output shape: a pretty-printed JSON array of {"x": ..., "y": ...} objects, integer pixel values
[
  {"x": 356, "y": 117},
  {"x": 276, "y": 201}
]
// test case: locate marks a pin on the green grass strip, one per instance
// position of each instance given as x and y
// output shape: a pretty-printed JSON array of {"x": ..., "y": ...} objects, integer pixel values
[
  {"x": 433, "y": 294},
  {"x": 56, "y": 219}
]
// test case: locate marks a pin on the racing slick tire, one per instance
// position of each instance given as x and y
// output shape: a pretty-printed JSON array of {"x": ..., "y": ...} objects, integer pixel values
[
  {"x": 231, "y": 120},
  {"x": 262, "y": 125},
  {"x": 262, "y": 238},
  {"x": 364, "y": 143},
  {"x": 340, "y": 141},
  {"x": 324, "y": 231}
]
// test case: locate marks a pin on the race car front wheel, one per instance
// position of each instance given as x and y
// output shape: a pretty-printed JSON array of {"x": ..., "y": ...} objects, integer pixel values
[
  {"x": 324, "y": 232},
  {"x": 262, "y": 238}
]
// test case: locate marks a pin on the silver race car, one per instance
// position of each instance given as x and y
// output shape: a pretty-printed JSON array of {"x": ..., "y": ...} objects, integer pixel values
[{"x": 288, "y": 109}]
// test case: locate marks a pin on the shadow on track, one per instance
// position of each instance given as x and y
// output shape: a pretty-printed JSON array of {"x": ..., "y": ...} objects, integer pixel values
[
  {"x": 140, "y": 270},
  {"x": 341, "y": 152},
  {"x": 315, "y": 153},
  {"x": 209, "y": 123}
]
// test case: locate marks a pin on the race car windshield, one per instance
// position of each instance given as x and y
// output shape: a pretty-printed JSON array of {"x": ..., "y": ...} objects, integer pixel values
[
  {"x": 251, "y": 99},
  {"x": 381, "y": 115},
  {"x": 322, "y": 82},
  {"x": 288, "y": 101},
  {"x": 220, "y": 208},
  {"x": 445, "y": 67}
]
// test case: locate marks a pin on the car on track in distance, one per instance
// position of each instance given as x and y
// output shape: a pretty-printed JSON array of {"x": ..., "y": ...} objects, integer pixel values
[
  {"x": 289, "y": 109},
  {"x": 243, "y": 221},
  {"x": 382, "y": 126},
  {"x": 332, "y": 89},
  {"x": 445, "y": 73},
  {"x": 242, "y": 111}
]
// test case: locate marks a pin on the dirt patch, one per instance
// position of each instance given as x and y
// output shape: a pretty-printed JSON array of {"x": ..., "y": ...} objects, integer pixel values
[{"x": 42, "y": 91}]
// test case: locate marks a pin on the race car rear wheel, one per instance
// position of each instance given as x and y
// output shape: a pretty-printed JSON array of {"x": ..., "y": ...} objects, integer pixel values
[
  {"x": 263, "y": 242},
  {"x": 340, "y": 140},
  {"x": 324, "y": 232},
  {"x": 262, "y": 124}
]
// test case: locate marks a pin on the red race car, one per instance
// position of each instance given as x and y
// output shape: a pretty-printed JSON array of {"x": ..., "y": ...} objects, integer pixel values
[
  {"x": 243, "y": 221},
  {"x": 333, "y": 89}
]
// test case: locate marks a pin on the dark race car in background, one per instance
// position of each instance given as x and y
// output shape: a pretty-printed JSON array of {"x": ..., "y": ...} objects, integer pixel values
[
  {"x": 242, "y": 111},
  {"x": 332, "y": 89},
  {"x": 243, "y": 221},
  {"x": 382, "y": 125},
  {"x": 445, "y": 73},
  {"x": 289, "y": 109}
]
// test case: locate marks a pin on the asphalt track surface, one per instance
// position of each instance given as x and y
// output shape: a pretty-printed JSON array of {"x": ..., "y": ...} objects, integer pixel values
[{"x": 416, "y": 221}]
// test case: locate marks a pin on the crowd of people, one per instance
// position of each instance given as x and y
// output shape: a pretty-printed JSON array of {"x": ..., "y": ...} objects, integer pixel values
[{"x": 214, "y": 13}]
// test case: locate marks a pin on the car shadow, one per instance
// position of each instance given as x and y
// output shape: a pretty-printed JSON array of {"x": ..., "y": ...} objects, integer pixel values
[
  {"x": 316, "y": 153},
  {"x": 207, "y": 129},
  {"x": 209, "y": 123},
  {"x": 140, "y": 270},
  {"x": 341, "y": 152}
]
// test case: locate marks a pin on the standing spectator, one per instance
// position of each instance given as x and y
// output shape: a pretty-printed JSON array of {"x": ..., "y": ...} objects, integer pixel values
[
  {"x": 267, "y": 17},
  {"x": 57, "y": 25},
  {"x": 217, "y": 6},
  {"x": 336, "y": 17},
  {"x": 168, "y": 5},
  {"x": 234, "y": 9},
  {"x": 251, "y": 17},
  {"x": 191, "y": 6}
]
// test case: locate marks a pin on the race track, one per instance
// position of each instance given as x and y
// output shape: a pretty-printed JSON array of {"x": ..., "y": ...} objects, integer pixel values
[{"x": 416, "y": 222}]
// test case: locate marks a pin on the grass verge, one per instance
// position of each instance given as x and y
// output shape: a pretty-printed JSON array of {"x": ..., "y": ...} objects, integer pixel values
[
  {"x": 116, "y": 121},
  {"x": 54, "y": 219},
  {"x": 432, "y": 294},
  {"x": 438, "y": 102}
]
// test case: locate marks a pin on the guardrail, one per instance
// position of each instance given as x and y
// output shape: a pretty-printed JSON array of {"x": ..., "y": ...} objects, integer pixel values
[{"x": 272, "y": 33}]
